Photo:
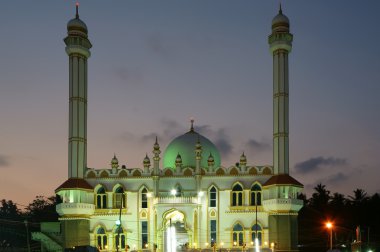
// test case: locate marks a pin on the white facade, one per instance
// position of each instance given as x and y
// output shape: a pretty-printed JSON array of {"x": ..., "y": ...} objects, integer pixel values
[{"x": 192, "y": 204}]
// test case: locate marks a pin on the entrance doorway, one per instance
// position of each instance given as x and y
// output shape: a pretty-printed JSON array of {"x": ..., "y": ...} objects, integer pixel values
[{"x": 176, "y": 237}]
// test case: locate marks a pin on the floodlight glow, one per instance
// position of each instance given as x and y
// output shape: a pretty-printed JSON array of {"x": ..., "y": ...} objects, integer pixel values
[
  {"x": 257, "y": 246},
  {"x": 200, "y": 194},
  {"x": 149, "y": 195},
  {"x": 118, "y": 222},
  {"x": 173, "y": 192}
]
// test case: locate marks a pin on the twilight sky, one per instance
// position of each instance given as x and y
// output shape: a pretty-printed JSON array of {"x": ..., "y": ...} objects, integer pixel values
[{"x": 155, "y": 64}]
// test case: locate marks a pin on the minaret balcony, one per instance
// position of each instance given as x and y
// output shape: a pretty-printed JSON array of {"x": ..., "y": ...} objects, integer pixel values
[
  {"x": 75, "y": 209},
  {"x": 282, "y": 205}
]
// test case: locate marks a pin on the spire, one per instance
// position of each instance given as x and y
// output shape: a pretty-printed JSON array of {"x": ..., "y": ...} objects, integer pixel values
[
  {"x": 191, "y": 124},
  {"x": 77, "y": 12},
  {"x": 280, "y": 11}
]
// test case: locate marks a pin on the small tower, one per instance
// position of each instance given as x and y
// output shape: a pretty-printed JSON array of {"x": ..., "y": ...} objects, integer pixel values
[
  {"x": 156, "y": 166},
  {"x": 146, "y": 163},
  {"x": 210, "y": 162},
  {"x": 114, "y": 164},
  {"x": 178, "y": 163},
  {"x": 198, "y": 156},
  {"x": 243, "y": 162}
]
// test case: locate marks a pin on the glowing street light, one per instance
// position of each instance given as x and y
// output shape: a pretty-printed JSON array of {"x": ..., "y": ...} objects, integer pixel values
[{"x": 329, "y": 225}]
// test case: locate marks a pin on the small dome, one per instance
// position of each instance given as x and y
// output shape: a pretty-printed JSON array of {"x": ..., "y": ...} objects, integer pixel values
[
  {"x": 210, "y": 158},
  {"x": 77, "y": 25},
  {"x": 186, "y": 145},
  {"x": 114, "y": 160},
  {"x": 280, "y": 22},
  {"x": 146, "y": 160}
]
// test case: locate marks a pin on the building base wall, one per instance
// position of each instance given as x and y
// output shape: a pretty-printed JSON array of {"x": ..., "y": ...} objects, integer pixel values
[
  {"x": 75, "y": 232},
  {"x": 283, "y": 231}
]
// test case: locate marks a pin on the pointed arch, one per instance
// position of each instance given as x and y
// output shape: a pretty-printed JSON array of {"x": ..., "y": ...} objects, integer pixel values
[
  {"x": 104, "y": 174},
  {"x": 123, "y": 173},
  {"x": 136, "y": 173},
  {"x": 213, "y": 196},
  {"x": 253, "y": 171},
  {"x": 100, "y": 196},
  {"x": 119, "y": 196},
  {"x": 101, "y": 237},
  {"x": 234, "y": 171},
  {"x": 255, "y": 198},
  {"x": 238, "y": 234},
  {"x": 220, "y": 172},
  {"x": 267, "y": 171},
  {"x": 91, "y": 174},
  {"x": 168, "y": 172},
  {"x": 237, "y": 194},
  {"x": 256, "y": 231},
  {"x": 188, "y": 172}
]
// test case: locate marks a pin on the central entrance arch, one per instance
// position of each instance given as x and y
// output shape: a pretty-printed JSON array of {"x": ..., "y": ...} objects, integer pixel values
[{"x": 176, "y": 234}]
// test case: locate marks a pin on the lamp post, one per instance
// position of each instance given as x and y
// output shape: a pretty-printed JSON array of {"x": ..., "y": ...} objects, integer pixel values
[{"x": 329, "y": 226}]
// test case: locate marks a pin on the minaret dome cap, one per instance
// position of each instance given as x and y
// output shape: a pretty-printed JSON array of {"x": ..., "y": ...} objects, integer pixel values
[
  {"x": 280, "y": 22},
  {"x": 76, "y": 24}
]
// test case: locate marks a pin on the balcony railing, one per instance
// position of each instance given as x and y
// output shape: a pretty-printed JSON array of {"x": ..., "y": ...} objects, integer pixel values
[
  {"x": 75, "y": 209},
  {"x": 292, "y": 205},
  {"x": 175, "y": 200}
]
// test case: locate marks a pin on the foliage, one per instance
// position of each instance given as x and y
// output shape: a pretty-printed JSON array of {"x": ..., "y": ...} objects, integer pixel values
[{"x": 347, "y": 213}]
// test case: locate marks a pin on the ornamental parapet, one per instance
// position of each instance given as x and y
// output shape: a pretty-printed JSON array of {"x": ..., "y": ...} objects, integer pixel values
[
  {"x": 175, "y": 200},
  {"x": 282, "y": 205},
  {"x": 75, "y": 209}
]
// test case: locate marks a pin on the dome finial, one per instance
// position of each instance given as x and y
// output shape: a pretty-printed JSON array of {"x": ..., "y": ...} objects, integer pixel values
[
  {"x": 76, "y": 10},
  {"x": 191, "y": 124},
  {"x": 280, "y": 11}
]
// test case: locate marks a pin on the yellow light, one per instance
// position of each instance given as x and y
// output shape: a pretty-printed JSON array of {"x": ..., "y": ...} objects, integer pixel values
[
  {"x": 146, "y": 245},
  {"x": 206, "y": 244},
  {"x": 222, "y": 243},
  {"x": 149, "y": 195},
  {"x": 266, "y": 243},
  {"x": 272, "y": 244},
  {"x": 234, "y": 243},
  {"x": 329, "y": 225},
  {"x": 252, "y": 243}
]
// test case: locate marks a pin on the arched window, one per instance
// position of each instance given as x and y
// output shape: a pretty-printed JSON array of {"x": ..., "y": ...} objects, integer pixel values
[
  {"x": 119, "y": 199},
  {"x": 120, "y": 238},
  {"x": 256, "y": 231},
  {"x": 255, "y": 199},
  {"x": 101, "y": 239},
  {"x": 101, "y": 198},
  {"x": 238, "y": 235},
  {"x": 144, "y": 198},
  {"x": 237, "y": 195},
  {"x": 212, "y": 197}
]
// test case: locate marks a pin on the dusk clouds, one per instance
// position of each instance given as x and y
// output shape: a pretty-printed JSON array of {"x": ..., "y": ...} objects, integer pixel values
[{"x": 317, "y": 163}]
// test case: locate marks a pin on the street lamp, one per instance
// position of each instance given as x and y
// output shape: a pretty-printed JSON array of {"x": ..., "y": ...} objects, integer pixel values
[{"x": 329, "y": 226}]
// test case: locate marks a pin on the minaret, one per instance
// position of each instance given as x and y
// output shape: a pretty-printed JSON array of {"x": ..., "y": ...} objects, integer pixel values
[
  {"x": 77, "y": 194},
  {"x": 280, "y": 42},
  {"x": 281, "y": 189},
  {"x": 77, "y": 48}
]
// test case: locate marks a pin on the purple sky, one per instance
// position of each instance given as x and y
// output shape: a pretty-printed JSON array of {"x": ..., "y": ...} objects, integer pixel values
[{"x": 155, "y": 64}]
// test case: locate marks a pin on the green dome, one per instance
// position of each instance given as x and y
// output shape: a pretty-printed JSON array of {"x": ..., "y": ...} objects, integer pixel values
[{"x": 185, "y": 146}]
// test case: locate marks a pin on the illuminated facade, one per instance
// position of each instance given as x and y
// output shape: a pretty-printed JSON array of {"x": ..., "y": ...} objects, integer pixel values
[{"x": 186, "y": 200}]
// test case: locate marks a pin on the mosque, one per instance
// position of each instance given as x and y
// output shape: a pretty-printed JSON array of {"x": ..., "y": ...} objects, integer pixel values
[{"x": 182, "y": 198}]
